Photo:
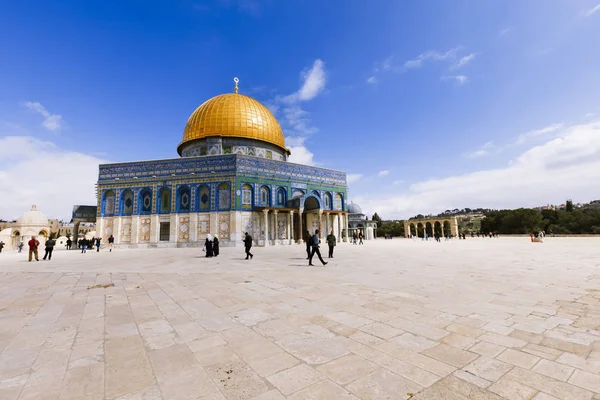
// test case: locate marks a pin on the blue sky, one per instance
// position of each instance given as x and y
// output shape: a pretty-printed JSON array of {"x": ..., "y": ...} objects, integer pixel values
[{"x": 427, "y": 105}]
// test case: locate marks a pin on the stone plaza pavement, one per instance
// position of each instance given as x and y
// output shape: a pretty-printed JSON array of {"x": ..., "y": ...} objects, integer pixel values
[{"x": 393, "y": 319}]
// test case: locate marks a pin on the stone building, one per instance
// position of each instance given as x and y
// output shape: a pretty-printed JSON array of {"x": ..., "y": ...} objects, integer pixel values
[
  {"x": 360, "y": 223},
  {"x": 233, "y": 176},
  {"x": 31, "y": 223}
]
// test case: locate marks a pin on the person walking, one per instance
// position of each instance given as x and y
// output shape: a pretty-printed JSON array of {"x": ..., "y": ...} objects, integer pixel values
[
  {"x": 33, "y": 248},
  {"x": 21, "y": 245},
  {"x": 315, "y": 249},
  {"x": 69, "y": 244},
  {"x": 208, "y": 245},
  {"x": 360, "y": 238},
  {"x": 97, "y": 244},
  {"x": 307, "y": 240},
  {"x": 1, "y": 246},
  {"x": 111, "y": 242},
  {"x": 248, "y": 245},
  {"x": 49, "y": 248},
  {"x": 84, "y": 245},
  {"x": 216, "y": 246},
  {"x": 331, "y": 243}
]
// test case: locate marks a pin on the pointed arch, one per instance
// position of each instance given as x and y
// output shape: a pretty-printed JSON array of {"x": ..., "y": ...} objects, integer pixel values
[
  {"x": 145, "y": 201},
  {"x": 184, "y": 199},
  {"x": 265, "y": 196},
  {"x": 224, "y": 196},
  {"x": 108, "y": 203},
  {"x": 247, "y": 196},
  {"x": 163, "y": 200},
  {"x": 126, "y": 203},
  {"x": 281, "y": 197}
]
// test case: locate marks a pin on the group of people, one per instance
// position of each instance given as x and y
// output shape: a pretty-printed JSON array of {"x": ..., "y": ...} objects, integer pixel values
[
  {"x": 357, "y": 236},
  {"x": 211, "y": 246},
  {"x": 85, "y": 244}
]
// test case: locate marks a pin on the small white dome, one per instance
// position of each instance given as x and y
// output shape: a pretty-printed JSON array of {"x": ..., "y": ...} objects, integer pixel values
[{"x": 33, "y": 218}]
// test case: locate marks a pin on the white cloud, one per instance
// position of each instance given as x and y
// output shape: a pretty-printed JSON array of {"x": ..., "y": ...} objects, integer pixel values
[
  {"x": 313, "y": 83},
  {"x": 34, "y": 171},
  {"x": 300, "y": 153},
  {"x": 506, "y": 30},
  {"x": 563, "y": 167},
  {"x": 398, "y": 182},
  {"x": 372, "y": 80},
  {"x": 459, "y": 79},
  {"x": 592, "y": 11},
  {"x": 483, "y": 151},
  {"x": 351, "y": 178},
  {"x": 522, "y": 138},
  {"x": 433, "y": 56},
  {"x": 383, "y": 173},
  {"x": 52, "y": 122},
  {"x": 590, "y": 115},
  {"x": 464, "y": 61}
]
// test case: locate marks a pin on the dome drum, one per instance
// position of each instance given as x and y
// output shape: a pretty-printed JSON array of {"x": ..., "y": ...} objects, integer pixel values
[{"x": 228, "y": 145}]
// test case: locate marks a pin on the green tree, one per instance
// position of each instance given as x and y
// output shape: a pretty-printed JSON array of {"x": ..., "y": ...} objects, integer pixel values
[
  {"x": 377, "y": 219},
  {"x": 569, "y": 206}
]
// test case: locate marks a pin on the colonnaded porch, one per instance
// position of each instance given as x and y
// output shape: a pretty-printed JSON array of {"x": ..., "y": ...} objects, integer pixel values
[
  {"x": 298, "y": 221},
  {"x": 430, "y": 227}
]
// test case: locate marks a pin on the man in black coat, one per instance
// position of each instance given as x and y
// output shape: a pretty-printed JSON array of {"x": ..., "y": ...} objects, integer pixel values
[
  {"x": 315, "y": 248},
  {"x": 248, "y": 245}
]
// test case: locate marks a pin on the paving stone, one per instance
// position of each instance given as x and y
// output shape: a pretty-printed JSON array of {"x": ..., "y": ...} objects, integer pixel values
[
  {"x": 323, "y": 390},
  {"x": 488, "y": 368},
  {"x": 413, "y": 342},
  {"x": 553, "y": 370},
  {"x": 237, "y": 380},
  {"x": 586, "y": 380},
  {"x": 451, "y": 355},
  {"x": 294, "y": 379},
  {"x": 518, "y": 358},
  {"x": 380, "y": 330},
  {"x": 459, "y": 341},
  {"x": 513, "y": 390},
  {"x": 579, "y": 362},
  {"x": 383, "y": 384},
  {"x": 347, "y": 369},
  {"x": 465, "y": 330},
  {"x": 273, "y": 364},
  {"x": 471, "y": 378},
  {"x": 553, "y": 387},
  {"x": 487, "y": 349}
]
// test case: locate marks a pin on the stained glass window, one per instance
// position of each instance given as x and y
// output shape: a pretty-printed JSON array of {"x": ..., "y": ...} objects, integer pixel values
[
  {"x": 146, "y": 202},
  {"x": 109, "y": 203},
  {"x": 204, "y": 198},
  {"x": 165, "y": 200},
  {"x": 127, "y": 200},
  {"x": 264, "y": 196},
  {"x": 224, "y": 197},
  {"x": 338, "y": 201},
  {"x": 184, "y": 199},
  {"x": 246, "y": 196}
]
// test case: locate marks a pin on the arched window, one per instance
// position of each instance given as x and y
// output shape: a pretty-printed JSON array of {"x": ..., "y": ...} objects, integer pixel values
[
  {"x": 246, "y": 196},
  {"x": 183, "y": 199},
  {"x": 164, "y": 201},
  {"x": 327, "y": 201},
  {"x": 224, "y": 197},
  {"x": 297, "y": 193},
  {"x": 127, "y": 202},
  {"x": 265, "y": 195},
  {"x": 281, "y": 198},
  {"x": 109, "y": 203},
  {"x": 204, "y": 198},
  {"x": 338, "y": 201},
  {"x": 145, "y": 201}
]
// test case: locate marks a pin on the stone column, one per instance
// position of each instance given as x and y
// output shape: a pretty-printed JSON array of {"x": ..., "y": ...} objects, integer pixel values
[
  {"x": 193, "y": 228},
  {"x": 275, "y": 227},
  {"x": 347, "y": 231},
  {"x": 291, "y": 227},
  {"x": 266, "y": 215},
  {"x": 174, "y": 228},
  {"x": 320, "y": 224},
  {"x": 299, "y": 239},
  {"x": 154, "y": 229},
  {"x": 116, "y": 229},
  {"x": 75, "y": 238},
  {"x": 135, "y": 229}
]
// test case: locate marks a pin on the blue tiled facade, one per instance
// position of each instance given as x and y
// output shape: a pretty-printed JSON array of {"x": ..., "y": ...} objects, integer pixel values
[{"x": 214, "y": 183}]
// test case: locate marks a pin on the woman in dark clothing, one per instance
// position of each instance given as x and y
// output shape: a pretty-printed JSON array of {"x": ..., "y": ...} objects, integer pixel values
[
  {"x": 209, "y": 246},
  {"x": 216, "y": 246}
]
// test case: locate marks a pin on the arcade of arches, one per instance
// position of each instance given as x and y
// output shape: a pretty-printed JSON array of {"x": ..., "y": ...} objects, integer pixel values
[{"x": 431, "y": 226}]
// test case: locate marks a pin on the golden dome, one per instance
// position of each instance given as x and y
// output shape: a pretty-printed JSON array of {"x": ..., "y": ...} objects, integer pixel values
[{"x": 233, "y": 115}]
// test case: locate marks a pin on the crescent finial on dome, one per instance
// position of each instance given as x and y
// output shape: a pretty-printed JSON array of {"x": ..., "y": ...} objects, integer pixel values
[{"x": 236, "y": 80}]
